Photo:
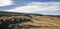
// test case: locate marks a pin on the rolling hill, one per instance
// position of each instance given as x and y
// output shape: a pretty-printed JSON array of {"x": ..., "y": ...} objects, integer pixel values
[
  {"x": 15, "y": 20},
  {"x": 15, "y": 13}
]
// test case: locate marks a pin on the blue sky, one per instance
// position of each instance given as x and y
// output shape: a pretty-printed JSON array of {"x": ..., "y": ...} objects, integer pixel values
[{"x": 49, "y": 7}]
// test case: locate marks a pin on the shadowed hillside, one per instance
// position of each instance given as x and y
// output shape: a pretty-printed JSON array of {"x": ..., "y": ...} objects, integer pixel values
[
  {"x": 13, "y": 20},
  {"x": 4, "y": 13}
]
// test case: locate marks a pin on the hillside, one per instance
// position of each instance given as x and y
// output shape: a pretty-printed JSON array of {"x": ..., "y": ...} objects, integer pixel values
[
  {"x": 28, "y": 21},
  {"x": 4, "y": 13}
]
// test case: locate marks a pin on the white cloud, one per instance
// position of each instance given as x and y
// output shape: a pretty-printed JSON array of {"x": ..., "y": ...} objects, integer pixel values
[
  {"x": 6, "y": 2},
  {"x": 34, "y": 7}
]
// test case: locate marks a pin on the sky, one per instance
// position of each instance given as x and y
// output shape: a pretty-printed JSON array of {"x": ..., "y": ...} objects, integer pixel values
[{"x": 46, "y": 7}]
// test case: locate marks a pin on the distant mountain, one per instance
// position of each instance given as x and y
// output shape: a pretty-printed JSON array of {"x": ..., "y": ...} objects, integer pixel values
[{"x": 2, "y": 13}]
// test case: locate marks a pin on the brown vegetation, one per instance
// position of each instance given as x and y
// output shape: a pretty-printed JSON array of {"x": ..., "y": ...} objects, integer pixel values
[{"x": 31, "y": 22}]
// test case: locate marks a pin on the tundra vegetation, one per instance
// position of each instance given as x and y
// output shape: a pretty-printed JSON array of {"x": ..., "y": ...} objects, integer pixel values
[{"x": 29, "y": 22}]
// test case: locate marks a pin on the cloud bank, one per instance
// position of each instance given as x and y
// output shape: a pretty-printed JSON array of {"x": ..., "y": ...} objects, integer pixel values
[
  {"x": 6, "y": 2},
  {"x": 34, "y": 7}
]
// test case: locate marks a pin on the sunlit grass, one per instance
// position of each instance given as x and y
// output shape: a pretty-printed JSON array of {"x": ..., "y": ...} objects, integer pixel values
[{"x": 39, "y": 22}]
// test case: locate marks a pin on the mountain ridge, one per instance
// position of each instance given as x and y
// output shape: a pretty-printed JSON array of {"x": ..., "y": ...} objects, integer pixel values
[{"x": 16, "y": 13}]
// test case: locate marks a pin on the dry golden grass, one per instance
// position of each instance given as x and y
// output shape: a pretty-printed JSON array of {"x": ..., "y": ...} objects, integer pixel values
[{"x": 39, "y": 22}]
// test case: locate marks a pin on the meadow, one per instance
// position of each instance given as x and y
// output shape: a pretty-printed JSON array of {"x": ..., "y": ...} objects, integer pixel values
[{"x": 29, "y": 22}]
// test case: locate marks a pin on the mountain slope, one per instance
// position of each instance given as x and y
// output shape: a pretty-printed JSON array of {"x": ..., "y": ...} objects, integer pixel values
[
  {"x": 16, "y": 13},
  {"x": 28, "y": 21}
]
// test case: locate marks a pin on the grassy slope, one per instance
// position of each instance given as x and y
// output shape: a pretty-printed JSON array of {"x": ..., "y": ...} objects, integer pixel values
[
  {"x": 44, "y": 22},
  {"x": 39, "y": 22}
]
